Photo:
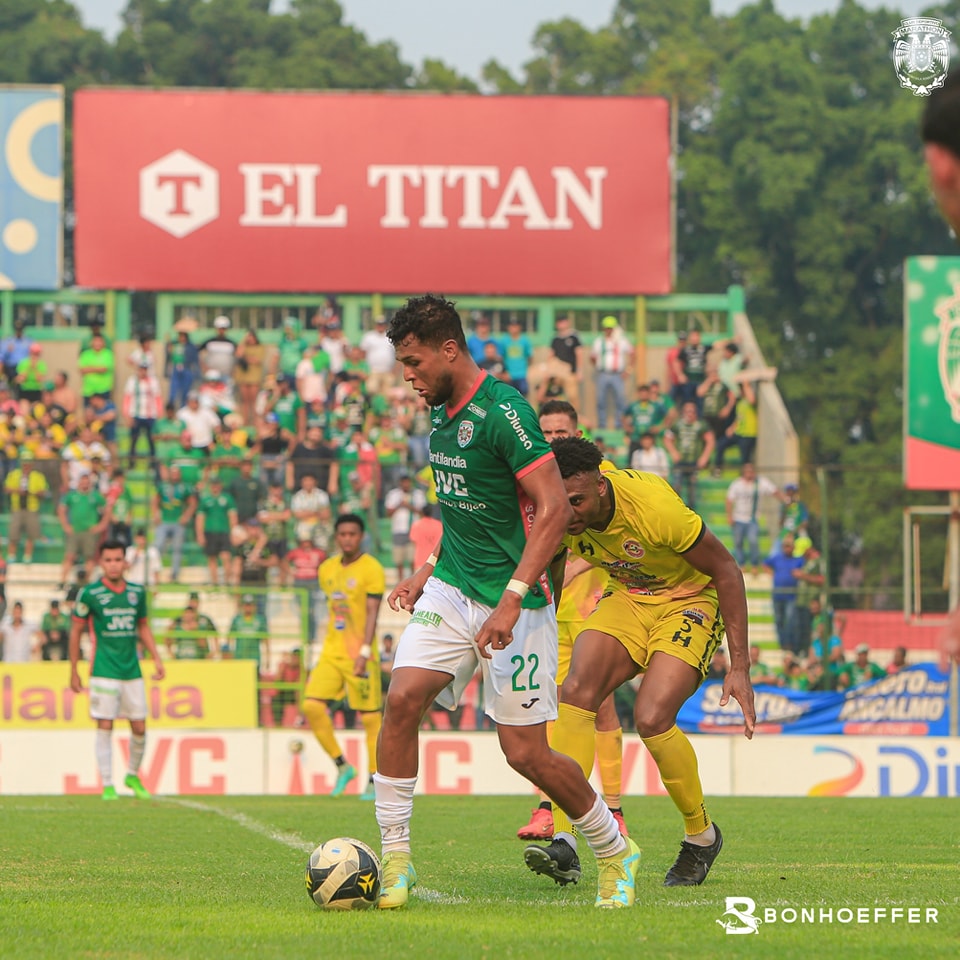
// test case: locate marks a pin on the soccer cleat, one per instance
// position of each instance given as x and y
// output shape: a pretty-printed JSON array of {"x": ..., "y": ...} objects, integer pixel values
[
  {"x": 398, "y": 878},
  {"x": 617, "y": 877},
  {"x": 132, "y": 782},
  {"x": 540, "y": 826},
  {"x": 109, "y": 793},
  {"x": 347, "y": 773},
  {"x": 693, "y": 863},
  {"x": 621, "y": 823},
  {"x": 559, "y": 861},
  {"x": 369, "y": 792}
]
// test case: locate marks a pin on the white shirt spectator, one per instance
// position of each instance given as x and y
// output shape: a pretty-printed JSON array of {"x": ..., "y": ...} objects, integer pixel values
[
  {"x": 381, "y": 356},
  {"x": 143, "y": 566},
  {"x": 78, "y": 456},
  {"x": 744, "y": 497},
  {"x": 612, "y": 354},
  {"x": 654, "y": 460},
  {"x": 336, "y": 350},
  {"x": 314, "y": 501},
  {"x": 406, "y": 502},
  {"x": 18, "y": 640},
  {"x": 200, "y": 424},
  {"x": 142, "y": 397},
  {"x": 311, "y": 384}
]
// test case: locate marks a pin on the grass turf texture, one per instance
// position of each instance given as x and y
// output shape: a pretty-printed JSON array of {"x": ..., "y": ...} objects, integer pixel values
[{"x": 221, "y": 876}]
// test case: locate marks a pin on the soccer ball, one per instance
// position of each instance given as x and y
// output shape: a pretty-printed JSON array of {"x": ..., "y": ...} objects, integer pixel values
[{"x": 343, "y": 874}]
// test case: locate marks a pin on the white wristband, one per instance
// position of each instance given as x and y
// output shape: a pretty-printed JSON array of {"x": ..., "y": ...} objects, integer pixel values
[
  {"x": 433, "y": 559},
  {"x": 365, "y": 651},
  {"x": 518, "y": 587}
]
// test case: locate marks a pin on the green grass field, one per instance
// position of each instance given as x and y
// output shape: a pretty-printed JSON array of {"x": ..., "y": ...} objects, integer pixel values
[{"x": 223, "y": 876}]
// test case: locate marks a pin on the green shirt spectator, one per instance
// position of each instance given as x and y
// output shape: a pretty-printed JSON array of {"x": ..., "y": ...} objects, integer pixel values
[
  {"x": 32, "y": 371},
  {"x": 292, "y": 348},
  {"x": 172, "y": 497},
  {"x": 216, "y": 508},
  {"x": 83, "y": 508},
  {"x": 248, "y": 631},
  {"x": 225, "y": 459},
  {"x": 191, "y": 461},
  {"x": 96, "y": 366},
  {"x": 285, "y": 405},
  {"x": 166, "y": 436}
]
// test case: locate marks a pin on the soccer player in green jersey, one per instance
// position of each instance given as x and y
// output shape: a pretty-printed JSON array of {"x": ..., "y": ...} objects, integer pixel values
[
  {"x": 486, "y": 601},
  {"x": 673, "y": 591},
  {"x": 115, "y": 612}
]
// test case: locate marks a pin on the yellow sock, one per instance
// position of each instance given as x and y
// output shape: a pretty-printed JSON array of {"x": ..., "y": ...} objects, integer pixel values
[
  {"x": 573, "y": 735},
  {"x": 610, "y": 761},
  {"x": 677, "y": 764},
  {"x": 371, "y": 724},
  {"x": 318, "y": 716}
]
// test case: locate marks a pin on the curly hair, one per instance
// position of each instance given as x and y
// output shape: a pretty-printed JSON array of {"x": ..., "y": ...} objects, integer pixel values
[
  {"x": 431, "y": 319},
  {"x": 576, "y": 455}
]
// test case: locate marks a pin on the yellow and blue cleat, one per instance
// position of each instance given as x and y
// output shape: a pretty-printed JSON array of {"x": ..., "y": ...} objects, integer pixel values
[
  {"x": 398, "y": 878},
  {"x": 617, "y": 879}
]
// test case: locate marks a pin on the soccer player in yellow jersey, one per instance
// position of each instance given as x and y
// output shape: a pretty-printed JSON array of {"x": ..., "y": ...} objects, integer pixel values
[
  {"x": 353, "y": 582},
  {"x": 674, "y": 589},
  {"x": 583, "y": 586}
]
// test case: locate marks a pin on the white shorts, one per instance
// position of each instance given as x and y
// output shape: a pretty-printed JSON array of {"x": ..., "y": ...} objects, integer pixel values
[
  {"x": 519, "y": 686},
  {"x": 118, "y": 699}
]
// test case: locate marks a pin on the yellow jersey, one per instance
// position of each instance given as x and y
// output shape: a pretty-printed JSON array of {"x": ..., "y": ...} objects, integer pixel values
[
  {"x": 643, "y": 545},
  {"x": 347, "y": 588}
]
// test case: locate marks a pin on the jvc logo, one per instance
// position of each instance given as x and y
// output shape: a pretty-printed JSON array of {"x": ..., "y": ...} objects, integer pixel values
[
  {"x": 120, "y": 623},
  {"x": 451, "y": 483}
]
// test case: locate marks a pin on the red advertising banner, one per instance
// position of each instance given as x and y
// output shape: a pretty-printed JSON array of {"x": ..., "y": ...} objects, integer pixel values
[{"x": 356, "y": 192}]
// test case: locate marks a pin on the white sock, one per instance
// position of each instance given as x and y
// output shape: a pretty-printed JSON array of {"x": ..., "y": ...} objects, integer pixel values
[
  {"x": 137, "y": 745},
  {"x": 702, "y": 839},
  {"x": 599, "y": 828},
  {"x": 394, "y": 806},
  {"x": 105, "y": 756}
]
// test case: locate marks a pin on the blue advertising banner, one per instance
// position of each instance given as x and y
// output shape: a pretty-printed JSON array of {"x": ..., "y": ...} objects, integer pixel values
[
  {"x": 31, "y": 187},
  {"x": 913, "y": 702}
]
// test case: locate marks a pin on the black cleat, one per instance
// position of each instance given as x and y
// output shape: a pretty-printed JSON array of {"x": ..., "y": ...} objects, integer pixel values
[
  {"x": 693, "y": 863},
  {"x": 559, "y": 861}
]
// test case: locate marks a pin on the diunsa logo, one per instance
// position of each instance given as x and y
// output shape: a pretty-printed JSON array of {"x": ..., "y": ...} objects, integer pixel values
[{"x": 179, "y": 193}]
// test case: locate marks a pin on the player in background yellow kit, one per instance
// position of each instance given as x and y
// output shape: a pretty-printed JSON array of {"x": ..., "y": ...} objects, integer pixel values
[
  {"x": 583, "y": 585},
  {"x": 353, "y": 582}
]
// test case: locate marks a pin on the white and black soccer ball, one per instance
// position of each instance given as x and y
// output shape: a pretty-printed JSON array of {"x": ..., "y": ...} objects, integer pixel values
[{"x": 343, "y": 874}]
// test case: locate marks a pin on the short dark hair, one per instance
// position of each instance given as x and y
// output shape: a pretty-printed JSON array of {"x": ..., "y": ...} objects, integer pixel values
[
  {"x": 941, "y": 115},
  {"x": 113, "y": 543},
  {"x": 350, "y": 518},
  {"x": 576, "y": 455},
  {"x": 560, "y": 406},
  {"x": 431, "y": 319}
]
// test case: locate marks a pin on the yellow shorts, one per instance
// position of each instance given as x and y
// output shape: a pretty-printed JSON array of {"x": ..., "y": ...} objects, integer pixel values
[
  {"x": 690, "y": 630},
  {"x": 567, "y": 631},
  {"x": 331, "y": 677}
]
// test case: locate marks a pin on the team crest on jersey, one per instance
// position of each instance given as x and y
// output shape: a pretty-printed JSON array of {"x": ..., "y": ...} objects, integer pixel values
[
  {"x": 464, "y": 432},
  {"x": 131, "y": 597},
  {"x": 351, "y": 583},
  {"x": 633, "y": 549}
]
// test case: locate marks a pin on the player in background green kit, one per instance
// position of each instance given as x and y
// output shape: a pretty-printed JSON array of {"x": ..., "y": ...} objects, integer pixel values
[
  {"x": 116, "y": 614},
  {"x": 486, "y": 601}
]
